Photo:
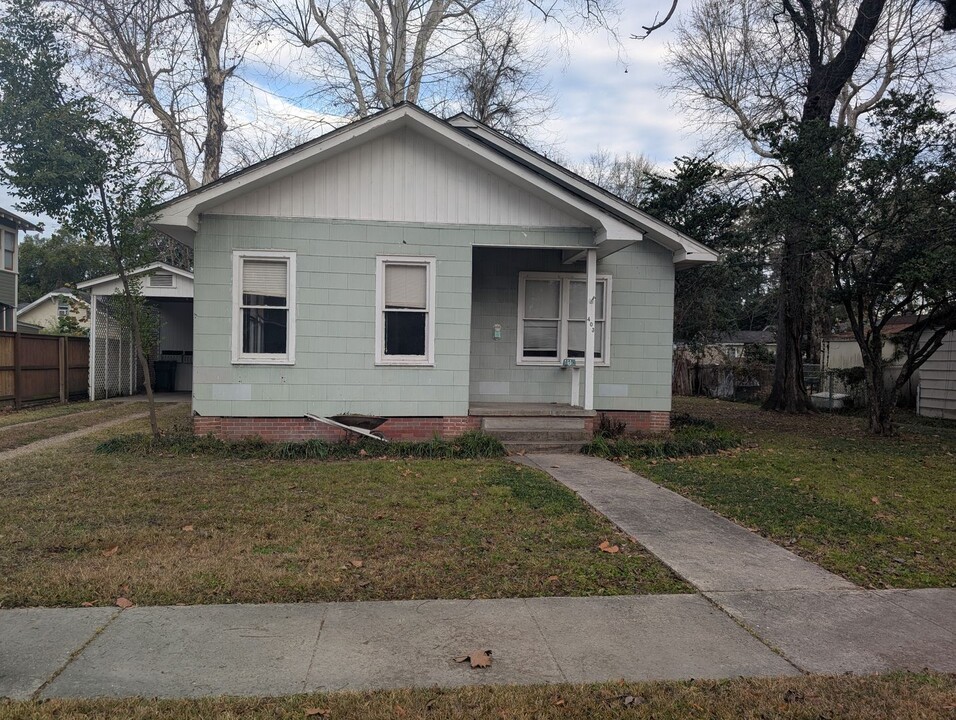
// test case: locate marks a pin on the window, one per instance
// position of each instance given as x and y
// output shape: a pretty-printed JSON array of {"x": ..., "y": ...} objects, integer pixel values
[
  {"x": 63, "y": 307},
  {"x": 9, "y": 249},
  {"x": 405, "y": 311},
  {"x": 552, "y": 318},
  {"x": 263, "y": 328}
]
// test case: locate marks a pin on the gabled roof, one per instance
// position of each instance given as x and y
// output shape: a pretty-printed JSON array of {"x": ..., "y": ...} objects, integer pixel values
[
  {"x": 145, "y": 270},
  {"x": 14, "y": 219},
  {"x": 615, "y": 222},
  {"x": 81, "y": 297}
]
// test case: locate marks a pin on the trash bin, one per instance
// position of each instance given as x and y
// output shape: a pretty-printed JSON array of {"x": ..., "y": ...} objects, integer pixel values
[{"x": 165, "y": 372}]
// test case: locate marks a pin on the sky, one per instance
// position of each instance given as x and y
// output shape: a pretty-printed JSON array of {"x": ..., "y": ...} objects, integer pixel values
[{"x": 597, "y": 104}]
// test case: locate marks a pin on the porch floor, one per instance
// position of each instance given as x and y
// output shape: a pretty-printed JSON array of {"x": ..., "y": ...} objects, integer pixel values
[{"x": 527, "y": 410}]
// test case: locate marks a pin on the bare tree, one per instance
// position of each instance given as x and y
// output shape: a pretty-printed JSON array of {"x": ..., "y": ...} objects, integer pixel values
[
  {"x": 167, "y": 63},
  {"x": 500, "y": 83},
  {"x": 367, "y": 55},
  {"x": 625, "y": 175}
]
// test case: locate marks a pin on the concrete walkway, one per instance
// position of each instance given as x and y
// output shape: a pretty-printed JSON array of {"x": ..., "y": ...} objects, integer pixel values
[
  {"x": 284, "y": 649},
  {"x": 819, "y": 621}
]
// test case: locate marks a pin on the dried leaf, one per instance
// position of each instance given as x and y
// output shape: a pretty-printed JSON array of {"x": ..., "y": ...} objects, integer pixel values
[
  {"x": 363, "y": 453},
  {"x": 552, "y": 578},
  {"x": 318, "y": 712},
  {"x": 875, "y": 500},
  {"x": 187, "y": 528},
  {"x": 111, "y": 552},
  {"x": 357, "y": 563},
  {"x": 400, "y": 711},
  {"x": 560, "y": 702},
  {"x": 478, "y": 658},
  {"x": 123, "y": 603},
  {"x": 608, "y": 548},
  {"x": 86, "y": 604}
]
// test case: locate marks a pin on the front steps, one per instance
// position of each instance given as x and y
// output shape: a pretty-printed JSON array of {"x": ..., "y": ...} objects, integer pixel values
[{"x": 537, "y": 429}]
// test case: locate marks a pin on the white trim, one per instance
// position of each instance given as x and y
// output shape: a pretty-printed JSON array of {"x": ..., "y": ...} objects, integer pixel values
[
  {"x": 132, "y": 273},
  {"x": 238, "y": 358},
  {"x": 589, "y": 324},
  {"x": 50, "y": 296},
  {"x": 428, "y": 360},
  {"x": 566, "y": 278}
]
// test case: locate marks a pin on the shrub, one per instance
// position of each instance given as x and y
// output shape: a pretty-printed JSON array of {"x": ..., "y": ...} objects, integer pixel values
[
  {"x": 473, "y": 444},
  {"x": 610, "y": 428},
  {"x": 684, "y": 442}
]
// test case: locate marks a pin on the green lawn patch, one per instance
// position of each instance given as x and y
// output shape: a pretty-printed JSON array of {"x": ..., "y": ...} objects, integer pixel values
[
  {"x": 14, "y": 435},
  {"x": 9, "y": 416},
  {"x": 874, "y": 697},
  {"x": 879, "y": 511},
  {"x": 207, "y": 528}
]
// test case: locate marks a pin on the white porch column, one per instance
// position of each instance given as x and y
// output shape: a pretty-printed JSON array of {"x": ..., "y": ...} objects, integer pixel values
[{"x": 589, "y": 330}]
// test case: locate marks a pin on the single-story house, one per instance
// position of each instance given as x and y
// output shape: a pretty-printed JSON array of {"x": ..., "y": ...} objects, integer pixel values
[
  {"x": 10, "y": 226},
  {"x": 45, "y": 312},
  {"x": 936, "y": 392},
  {"x": 113, "y": 367},
  {"x": 432, "y": 272}
]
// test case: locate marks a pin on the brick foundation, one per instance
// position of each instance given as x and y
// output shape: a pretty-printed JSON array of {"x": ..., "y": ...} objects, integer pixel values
[{"x": 291, "y": 429}]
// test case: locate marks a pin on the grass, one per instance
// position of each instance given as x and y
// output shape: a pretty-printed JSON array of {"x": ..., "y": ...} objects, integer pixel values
[
  {"x": 14, "y": 435},
  {"x": 879, "y": 511},
  {"x": 876, "y": 697},
  {"x": 268, "y": 530},
  {"x": 9, "y": 416}
]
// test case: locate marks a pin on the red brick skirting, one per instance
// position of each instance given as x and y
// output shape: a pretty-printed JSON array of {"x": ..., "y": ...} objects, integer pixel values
[{"x": 289, "y": 429}]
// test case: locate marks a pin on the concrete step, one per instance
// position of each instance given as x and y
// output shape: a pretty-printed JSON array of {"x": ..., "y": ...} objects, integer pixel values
[
  {"x": 539, "y": 423},
  {"x": 540, "y": 435},
  {"x": 569, "y": 447}
]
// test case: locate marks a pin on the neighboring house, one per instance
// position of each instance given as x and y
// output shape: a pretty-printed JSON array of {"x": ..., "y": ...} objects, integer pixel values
[
  {"x": 426, "y": 271},
  {"x": 113, "y": 366},
  {"x": 733, "y": 345},
  {"x": 10, "y": 227},
  {"x": 936, "y": 395},
  {"x": 46, "y": 311}
]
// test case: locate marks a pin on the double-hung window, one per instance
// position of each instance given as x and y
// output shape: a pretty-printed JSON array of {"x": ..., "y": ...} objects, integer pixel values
[
  {"x": 263, "y": 307},
  {"x": 9, "y": 249},
  {"x": 62, "y": 307},
  {"x": 404, "y": 310},
  {"x": 553, "y": 318}
]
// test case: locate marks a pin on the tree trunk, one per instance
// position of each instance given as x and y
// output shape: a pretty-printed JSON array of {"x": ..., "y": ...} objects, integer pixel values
[{"x": 882, "y": 400}]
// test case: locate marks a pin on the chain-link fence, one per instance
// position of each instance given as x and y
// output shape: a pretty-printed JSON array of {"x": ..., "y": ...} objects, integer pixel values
[{"x": 113, "y": 366}]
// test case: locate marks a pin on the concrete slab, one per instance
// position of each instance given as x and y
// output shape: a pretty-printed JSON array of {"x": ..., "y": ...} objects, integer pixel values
[
  {"x": 935, "y": 605},
  {"x": 652, "y": 637},
  {"x": 197, "y": 651},
  {"x": 856, "y": 631},
  {"x": 380, "y": 645},
  {"x": 36, "y": 642},
  {"x": 707, "y": 550}
]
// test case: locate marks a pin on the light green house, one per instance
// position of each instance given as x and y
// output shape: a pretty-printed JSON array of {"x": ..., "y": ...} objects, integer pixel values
[{"x": 427, "y": 271}]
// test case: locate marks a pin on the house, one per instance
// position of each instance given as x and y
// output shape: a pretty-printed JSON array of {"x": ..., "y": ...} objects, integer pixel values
[
  {"x": 45, "y": 312},
  {"x": 114, "y": 370},
  {"x": 431, "y": 272},
  {"x": 936, "y": 393},
  {"x": 10, "y": 227}
]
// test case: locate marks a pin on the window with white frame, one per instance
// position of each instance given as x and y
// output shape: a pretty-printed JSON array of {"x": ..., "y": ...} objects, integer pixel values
[
  {"x": 552, "y": 318},
  {"x": 62, "y": 307},
  {"x": 405, "y": 310},
  {"x": 9, "y": 249},
  {"x": 263, "y": 307}
]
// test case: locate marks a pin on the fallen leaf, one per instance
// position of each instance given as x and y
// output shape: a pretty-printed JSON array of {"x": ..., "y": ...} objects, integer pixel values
[
  {"x": 400, "y": 711},
  {"x": 792, "y": 696},
  {"x": 363, "y": 453},
  {"x": 553, "y": 578},
  {"x": 111, "y": 552},
  {"x": 357, "y": 563},
  {"x": 86, "y": 604},
  {"x": 608, "y": 548},
  {"x": 318, "y": 712},
  {"x": 478, "y": 658},
  {"x": 123, "y": 603},
  {"x": 875, "y": 500},
  {"x": 187, "y": 528},
  {"x": 559, "y": 702}
]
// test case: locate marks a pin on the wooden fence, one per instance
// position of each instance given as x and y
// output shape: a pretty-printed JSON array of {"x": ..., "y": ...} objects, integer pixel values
[{"x": 42, "y": 368}]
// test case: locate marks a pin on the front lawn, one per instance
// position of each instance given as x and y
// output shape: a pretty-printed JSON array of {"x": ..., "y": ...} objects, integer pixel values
[
  {"x": 44, "y": 423},
  {"x": 168, "y": 528},
  {"x": 881, "y": 512},
  {"x": 876, "y": 697},
  {"x": 9, "y": 416}
]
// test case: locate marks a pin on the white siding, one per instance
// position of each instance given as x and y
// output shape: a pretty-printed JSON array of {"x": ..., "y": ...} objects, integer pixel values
[
  {"x": 400, "y": 177},
  {"x": 937, "y": 387}
]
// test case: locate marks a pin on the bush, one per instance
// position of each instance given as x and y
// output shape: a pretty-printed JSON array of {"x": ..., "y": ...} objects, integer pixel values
[
  {"x": 609, "y": 428},
  {"x": 685, "y": 441},
  {"x": 472, "y": 444}
]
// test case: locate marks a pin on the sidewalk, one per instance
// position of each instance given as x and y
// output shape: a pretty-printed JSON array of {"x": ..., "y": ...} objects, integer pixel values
[
  {"x": 285, "y": 649},
  {"x": 819, "y": 621}
]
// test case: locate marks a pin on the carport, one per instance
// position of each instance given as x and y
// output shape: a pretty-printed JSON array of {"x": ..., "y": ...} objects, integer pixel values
[{"x": 113, "y": 367}]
